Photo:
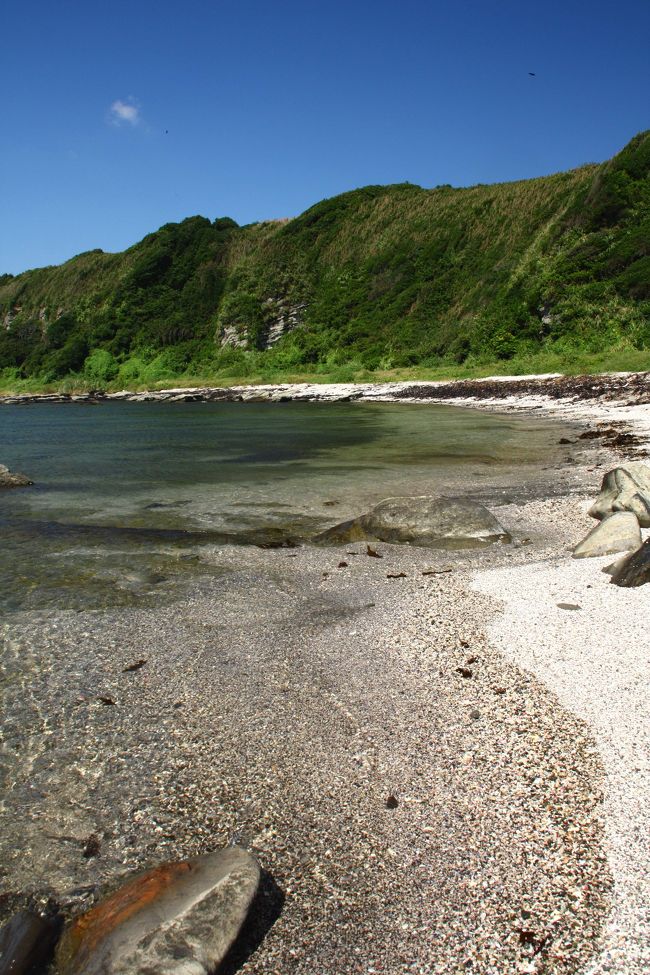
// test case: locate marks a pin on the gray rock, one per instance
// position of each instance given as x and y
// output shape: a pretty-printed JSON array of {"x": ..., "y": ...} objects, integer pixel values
[
  {"x": 625, "y": 489},
  {"x": 633, "y": 570},
  {"x": 437, "y": 522},
  {"x": 619, "y": 532},
  {"x": 177, "y": 919},
  {"x": 9, "y": 479}
]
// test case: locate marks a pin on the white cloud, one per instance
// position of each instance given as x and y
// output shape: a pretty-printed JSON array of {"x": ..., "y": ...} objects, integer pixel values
[{"x": 122, "y": 112}]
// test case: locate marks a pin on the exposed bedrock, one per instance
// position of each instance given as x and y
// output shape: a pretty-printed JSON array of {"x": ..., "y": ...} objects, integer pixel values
[{"x": 437, "y": 522}]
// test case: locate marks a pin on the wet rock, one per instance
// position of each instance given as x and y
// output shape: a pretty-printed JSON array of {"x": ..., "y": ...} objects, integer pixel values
[
  {"x": 438, "y": 522},
  {"x": 625, "y": 489},
  {"x": 619, "y": 532},
  {"x": 137, "y": 580},
  {"x": 179, "y": 918},
  {"x": 346, "y": 531},
  {"x": 634, "y": 570},
  {"x": 434, "y": 521},
  {"x": 92, "y": 846},
  {"x": 27, "y": 943},
  {"x": 9, "y": 479}
]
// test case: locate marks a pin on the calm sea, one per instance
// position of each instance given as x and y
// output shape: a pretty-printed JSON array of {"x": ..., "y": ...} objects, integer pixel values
[{"x": 128, "y": 494}]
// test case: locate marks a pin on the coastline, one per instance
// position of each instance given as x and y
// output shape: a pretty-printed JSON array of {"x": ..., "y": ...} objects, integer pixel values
[
  {"x": 617, "y": 398},
  {"x": 473, "y": 850}
]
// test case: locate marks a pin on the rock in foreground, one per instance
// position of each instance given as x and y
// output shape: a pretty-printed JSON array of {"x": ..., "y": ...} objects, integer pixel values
[
  {"x": 619, "y": 532},
  {"x": 625, "y": 489},
  {"x": 9, "y": 479},
  {"x": 27, "y": 943},
  {"x": 437, "y": 522},
  {"x": 177, "y": 919},
  {"x": 635, "y": 569}
]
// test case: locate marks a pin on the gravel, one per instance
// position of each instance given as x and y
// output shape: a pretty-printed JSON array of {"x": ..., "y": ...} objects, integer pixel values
[
  {"x": 597, "y": 663},
  {"x": 441, "y": 772},
  {"x": 422, "y": 805}
]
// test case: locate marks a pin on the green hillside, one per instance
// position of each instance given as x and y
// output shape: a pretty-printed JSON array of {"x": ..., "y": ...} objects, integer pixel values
[{"x": 381, "y": 277}]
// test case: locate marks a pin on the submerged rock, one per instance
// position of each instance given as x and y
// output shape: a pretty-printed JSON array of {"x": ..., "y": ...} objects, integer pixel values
[
  {"x": 437, "y": 522},
  {"x": 619, "y": 532},
  {"x": 633, "y": 570},
  {"x": 625, "y": 489},
  {"x": 10, "y": 479},
  {"x": 177, "y": 919},
  {"x": 27, "y": 943},
  {"x": 136, "y": 580}
]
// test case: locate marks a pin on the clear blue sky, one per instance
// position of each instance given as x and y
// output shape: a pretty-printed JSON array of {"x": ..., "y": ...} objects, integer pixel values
[{"x": 118, "y": 117}]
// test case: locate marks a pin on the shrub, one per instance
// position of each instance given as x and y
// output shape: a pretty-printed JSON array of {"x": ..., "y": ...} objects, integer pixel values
[{"x": 100, "y": 367}]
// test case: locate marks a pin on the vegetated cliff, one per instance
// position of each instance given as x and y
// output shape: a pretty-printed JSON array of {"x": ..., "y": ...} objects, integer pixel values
[{"x": 384, "y": 275}]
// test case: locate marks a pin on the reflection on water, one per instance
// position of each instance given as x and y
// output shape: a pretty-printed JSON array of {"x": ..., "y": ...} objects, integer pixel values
[{"x": 141, "y": 487}]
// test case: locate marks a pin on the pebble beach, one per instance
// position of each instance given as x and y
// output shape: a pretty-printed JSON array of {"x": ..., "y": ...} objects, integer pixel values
[{"x": 439, "y": 765}]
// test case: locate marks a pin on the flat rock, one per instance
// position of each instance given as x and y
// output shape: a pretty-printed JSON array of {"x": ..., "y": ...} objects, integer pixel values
[
  {"x": 619, "y": 532},
  {"x": 437, "y": 522},
  {"x": 625, "y": 488},
  {"x": 633, "y": 570},
  {"x": 176, "y": 919},
  {"x": 9, "y": 479}
]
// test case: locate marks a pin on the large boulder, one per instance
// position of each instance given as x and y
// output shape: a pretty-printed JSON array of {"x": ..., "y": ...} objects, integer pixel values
[
  {"x": 177, "y": 919},
  {"x": 633, "y": 570},
  {"x": 625, "y": 488},
  {"x": 619, "y": 532},
  {"x": 436, "y": 522},
  {"x": 9, "y": 479}
]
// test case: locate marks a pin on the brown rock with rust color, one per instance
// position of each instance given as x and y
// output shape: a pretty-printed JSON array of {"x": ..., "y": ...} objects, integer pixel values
[{"x": 177, "y": 919}]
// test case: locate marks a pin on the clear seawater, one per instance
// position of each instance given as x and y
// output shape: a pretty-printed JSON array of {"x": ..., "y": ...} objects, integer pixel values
[{"x": 128, "y": 494}]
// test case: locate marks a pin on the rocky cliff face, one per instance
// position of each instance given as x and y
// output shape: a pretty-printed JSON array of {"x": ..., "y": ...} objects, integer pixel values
[
  {"x": 280, "y": 316},
  {"x": 284, "y": 317}
]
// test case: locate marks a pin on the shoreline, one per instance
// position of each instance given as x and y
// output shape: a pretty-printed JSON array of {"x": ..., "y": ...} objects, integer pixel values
[
  {"x": 329, "y": 680},
  {"x": 617, "y": 398}
]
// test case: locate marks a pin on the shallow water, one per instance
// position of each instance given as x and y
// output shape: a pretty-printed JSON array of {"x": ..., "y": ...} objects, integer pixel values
[{"x": 127, "y": 495}]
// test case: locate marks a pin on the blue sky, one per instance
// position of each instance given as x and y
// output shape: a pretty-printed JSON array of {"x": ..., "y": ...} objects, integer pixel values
[{"x": 119, "y": 117}]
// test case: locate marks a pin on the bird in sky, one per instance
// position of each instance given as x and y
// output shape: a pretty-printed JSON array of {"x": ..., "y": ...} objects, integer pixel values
[{"x": 532, "y": 74}]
